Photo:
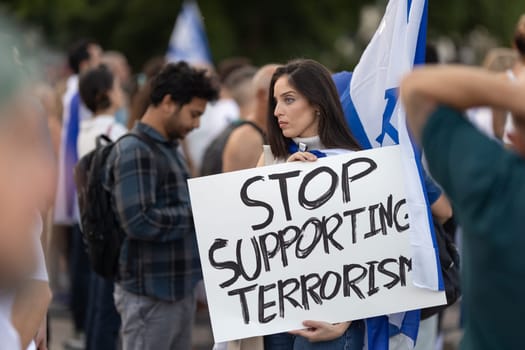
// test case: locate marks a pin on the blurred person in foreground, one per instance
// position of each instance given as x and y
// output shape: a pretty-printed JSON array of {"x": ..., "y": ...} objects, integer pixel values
[
  {"x": 25, "y": 151},
  {"x": 485, "y": 183}
]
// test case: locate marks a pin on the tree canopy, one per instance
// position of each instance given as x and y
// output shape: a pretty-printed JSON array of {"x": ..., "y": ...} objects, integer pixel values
[{"x": 264, "y": 31}]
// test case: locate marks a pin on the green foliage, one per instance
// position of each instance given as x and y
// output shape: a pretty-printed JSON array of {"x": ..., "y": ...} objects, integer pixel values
[{"x": 270, "y": 30}]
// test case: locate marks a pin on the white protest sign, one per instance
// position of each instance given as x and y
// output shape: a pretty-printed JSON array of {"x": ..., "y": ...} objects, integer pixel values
[{"x": 324, "y": 240}]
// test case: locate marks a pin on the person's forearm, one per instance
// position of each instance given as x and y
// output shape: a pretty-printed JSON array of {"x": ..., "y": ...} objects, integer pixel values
[
  {"x": 141, "y": 214},
  {"x": 151, "y": 223},
  {"x": 29, "y": 309},
  {"x": 460, "y": 87},
  {"x": 441, "y": 209},
  {"x": 464, "y": 87}
]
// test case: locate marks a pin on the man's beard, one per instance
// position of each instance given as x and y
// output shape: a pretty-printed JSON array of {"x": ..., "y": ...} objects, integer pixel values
[{"x": 173, "y": 136}]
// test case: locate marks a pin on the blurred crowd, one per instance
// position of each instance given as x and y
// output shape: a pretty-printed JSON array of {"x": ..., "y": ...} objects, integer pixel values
[{"x": 219, "y": 118}]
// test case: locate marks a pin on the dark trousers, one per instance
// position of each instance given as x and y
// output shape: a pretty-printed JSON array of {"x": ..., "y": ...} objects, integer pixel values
[
  {"x": 353, "y": 338},
  {"x": 103, "y": 322},
  {"x": 279, "y": 341},
  {"x": 79, "y": 273}
]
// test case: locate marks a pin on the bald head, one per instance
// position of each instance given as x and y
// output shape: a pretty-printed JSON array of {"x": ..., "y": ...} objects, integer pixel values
[
  {"x": 261, "y": 86},
  {"x": 263, "y": 77},
  {"x": 118, "y": 64}
]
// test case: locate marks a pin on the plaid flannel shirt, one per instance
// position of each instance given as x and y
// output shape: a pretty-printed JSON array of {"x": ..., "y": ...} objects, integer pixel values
[{"x": 159, "y": 256}]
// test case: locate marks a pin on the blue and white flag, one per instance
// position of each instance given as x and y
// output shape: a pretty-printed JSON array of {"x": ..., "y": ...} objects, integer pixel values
[
  {"x": 65, "y": 201},
  {"x": 188, "y": 40},
  {"x": 377, "y": 119}
]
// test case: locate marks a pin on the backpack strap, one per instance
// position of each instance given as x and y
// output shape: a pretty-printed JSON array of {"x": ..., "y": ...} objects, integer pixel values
[
  {"x": 152, "y": 144},
  {"x": 110, "y": 128},
  {"x": 147, "y": 140},
  {"x": 105, "y": 138},
  {"x": 102, "y": 139}
]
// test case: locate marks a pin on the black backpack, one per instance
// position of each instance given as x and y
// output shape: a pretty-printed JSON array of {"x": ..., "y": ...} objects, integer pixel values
[
  {"x": 100, "y": 229},
  {"x": 449, "y": 261}
]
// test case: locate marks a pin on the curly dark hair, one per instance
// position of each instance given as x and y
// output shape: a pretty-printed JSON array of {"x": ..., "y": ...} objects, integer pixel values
[
  {"x": 182, "y": 83},
  {"x": 314, "y": 82},
  {"x": 94, "y": 86}
]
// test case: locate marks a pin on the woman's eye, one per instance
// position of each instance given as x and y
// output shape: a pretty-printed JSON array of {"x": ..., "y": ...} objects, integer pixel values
[{"x": 288, "y": 100}]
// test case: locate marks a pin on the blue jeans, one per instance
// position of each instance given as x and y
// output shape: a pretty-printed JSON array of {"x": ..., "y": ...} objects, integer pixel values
[
  {"x": 279, "y": 341},
  {"x": 352, "y": 339},
  {"x": 80, "y": 274}
]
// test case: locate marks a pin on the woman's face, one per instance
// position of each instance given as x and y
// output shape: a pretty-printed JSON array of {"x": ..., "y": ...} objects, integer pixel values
[{"x": 294, "y": 113}]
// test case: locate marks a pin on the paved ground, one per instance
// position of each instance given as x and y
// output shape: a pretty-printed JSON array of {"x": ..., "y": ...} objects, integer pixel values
[{"x": 61, "y": 329}]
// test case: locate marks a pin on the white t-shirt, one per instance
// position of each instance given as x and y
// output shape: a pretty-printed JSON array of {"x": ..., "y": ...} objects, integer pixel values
[
  {"x": 482, "y": 118},
  {"x": 216, "y": 117},
  {"x": 90, "y": 129}
]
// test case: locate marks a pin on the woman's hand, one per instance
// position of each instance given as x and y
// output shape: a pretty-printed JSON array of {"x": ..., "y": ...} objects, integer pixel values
[
  {"x": 302, "y": 157},
  {"x": 322, "y": 331}
]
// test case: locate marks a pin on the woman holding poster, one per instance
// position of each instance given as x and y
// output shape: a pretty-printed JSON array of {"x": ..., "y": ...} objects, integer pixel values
[{"x": 306, "y": 122}]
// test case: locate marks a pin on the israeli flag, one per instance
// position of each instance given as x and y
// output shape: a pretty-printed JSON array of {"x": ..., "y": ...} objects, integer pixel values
[
  {"x": 188, "y": 40},
  {"x": 65, "y": 212},
  {"x": 377, "y": 119}
]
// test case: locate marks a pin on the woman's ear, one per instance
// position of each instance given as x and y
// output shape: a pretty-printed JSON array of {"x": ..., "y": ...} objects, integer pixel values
[{"x": 317, "y": 110}]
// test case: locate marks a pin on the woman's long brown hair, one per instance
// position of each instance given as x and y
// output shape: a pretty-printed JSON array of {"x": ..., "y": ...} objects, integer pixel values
[{"x": 313, "y": 81}]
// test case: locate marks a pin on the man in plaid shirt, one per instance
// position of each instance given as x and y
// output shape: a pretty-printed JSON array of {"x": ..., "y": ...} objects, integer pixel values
[{"x": 159, "y": 263}]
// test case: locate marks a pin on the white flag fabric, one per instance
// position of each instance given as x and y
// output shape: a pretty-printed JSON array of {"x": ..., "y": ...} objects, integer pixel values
[
  {"x": 188, "y": 40},
  {"x": 377, "y": 119}
]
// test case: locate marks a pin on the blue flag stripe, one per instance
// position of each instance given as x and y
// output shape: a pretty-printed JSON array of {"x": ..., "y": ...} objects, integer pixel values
[
  {"x": 419, "y": 59},
  {"x": 71, "y": 154},
  {"x": 379, "y": 329},
  {"x": 352, "y": 118}
]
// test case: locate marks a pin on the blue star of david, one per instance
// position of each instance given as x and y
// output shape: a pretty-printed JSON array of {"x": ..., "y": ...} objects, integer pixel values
[{"x": 387, "y": 127}]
